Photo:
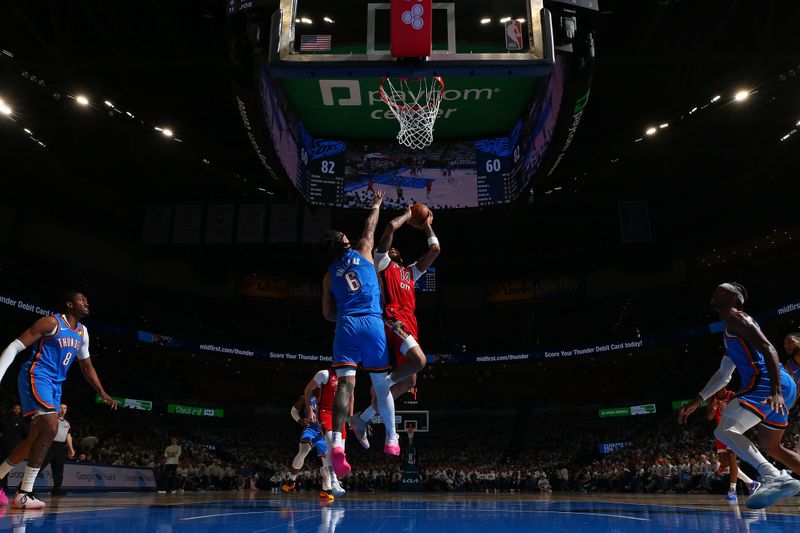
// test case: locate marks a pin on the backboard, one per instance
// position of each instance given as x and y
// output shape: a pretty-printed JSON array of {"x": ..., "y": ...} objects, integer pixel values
[{"x": 463, "y": 31}]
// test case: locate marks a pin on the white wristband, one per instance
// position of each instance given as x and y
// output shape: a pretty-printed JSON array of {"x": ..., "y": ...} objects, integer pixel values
[
  {"x": 295, "y": 414},
  {"x": 376, "y": 206},
  {"x": 432, "y": 240}
]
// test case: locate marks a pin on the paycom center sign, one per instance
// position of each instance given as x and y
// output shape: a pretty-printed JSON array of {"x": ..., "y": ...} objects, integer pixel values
[{"x": 353, "y": 107}]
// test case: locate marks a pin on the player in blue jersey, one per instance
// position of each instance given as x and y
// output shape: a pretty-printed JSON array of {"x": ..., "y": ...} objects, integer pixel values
[
  {"x": 351, "y": 297},
  {"x": 311, "y": 437},
  {"x": 59, "y": 340},
  {"x": 767, "y": 394},
  {"x": 791, "y": 344}
]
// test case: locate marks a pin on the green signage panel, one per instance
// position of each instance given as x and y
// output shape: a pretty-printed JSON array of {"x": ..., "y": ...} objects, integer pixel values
[
  {"x": 129, "y": 403},
  {"x": 616, "y": 411},
  {"x": 194, "y": 410},
  {"x": 634, "y": 410},
  {"x": 677, "y": 404},
  {"x": 471, "y": 107}
]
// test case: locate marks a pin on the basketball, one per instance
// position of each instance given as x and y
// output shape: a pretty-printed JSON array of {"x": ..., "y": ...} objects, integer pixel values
[{"x": 419, "y": 214}]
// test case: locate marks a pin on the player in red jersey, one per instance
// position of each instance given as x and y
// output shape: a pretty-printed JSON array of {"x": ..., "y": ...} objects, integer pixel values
[
  {"x": 323, "y": 386},
  {"x": 714, "y": 407},
  {"x": 397, "y": 281}
]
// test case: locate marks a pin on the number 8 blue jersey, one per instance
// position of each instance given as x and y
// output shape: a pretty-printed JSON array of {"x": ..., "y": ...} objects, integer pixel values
[
  {"x": 355, "y": 286},
  {"x": 53, "y": 355}
]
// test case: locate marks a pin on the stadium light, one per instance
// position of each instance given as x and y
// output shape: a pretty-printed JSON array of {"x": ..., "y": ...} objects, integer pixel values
[
  {"x": 328, "y": 20},
  {"x": 306, "y": 21},
  {"x": 108, "y": 103},
  {"x": 717, "y": 97},
  {"x": 504, "y": 20},
  {"x": 4, "y": 109},
  {"x": 521, "y": 21},
  {"x": 82, "y": 100},
  {"x": 26, "y": 130},
  {"x": 741, "y": 96},
  {"x": 167, "y": 132},
  {"x": 651, "y": 131},
  {"x": 664, "y": 125},
  {"x": 486, "y": 21}
]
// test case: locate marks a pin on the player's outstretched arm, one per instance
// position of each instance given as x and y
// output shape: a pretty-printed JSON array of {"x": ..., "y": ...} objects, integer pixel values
[
  {"x": 742, "y": 324},
  {"x": 427, "y": 259},
  {"x": 720, "y": 378},
  {"x": 395, "y": 224},
  {"x": 40, "y": 328},
  {"x": 90, "y": 375},
  {"x": 328, "y": 303},
  {"x": 381, "y": 256},
  {"x": 710, "y": 408},
  {"x": 297, "y": 410},
  {"x": 319, "y": 379},
  {"x": 367, "y": 242}
]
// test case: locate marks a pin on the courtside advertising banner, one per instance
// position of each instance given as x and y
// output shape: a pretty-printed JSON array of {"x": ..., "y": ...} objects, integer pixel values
[
  {"x": 86, "y": 476},
  {"x": 411, "y": 34}
]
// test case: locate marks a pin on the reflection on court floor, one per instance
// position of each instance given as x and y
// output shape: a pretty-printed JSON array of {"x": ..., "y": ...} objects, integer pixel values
[{"x": 260, "y": 512}]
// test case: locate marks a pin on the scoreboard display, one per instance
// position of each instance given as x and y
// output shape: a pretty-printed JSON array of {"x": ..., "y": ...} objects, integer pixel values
[
  {"x": 426, "y": 282},
  {"x": 458, "y": 173}
]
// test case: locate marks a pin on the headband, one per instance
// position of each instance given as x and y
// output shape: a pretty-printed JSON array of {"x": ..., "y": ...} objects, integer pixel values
[{"x": 735, "y": 290}]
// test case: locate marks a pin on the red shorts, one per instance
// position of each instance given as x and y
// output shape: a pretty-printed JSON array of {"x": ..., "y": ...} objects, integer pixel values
[
  {"x": 721, "y": 447},
  {"x": 397, "y": 330},
  {"x": 326, "y": 423}
]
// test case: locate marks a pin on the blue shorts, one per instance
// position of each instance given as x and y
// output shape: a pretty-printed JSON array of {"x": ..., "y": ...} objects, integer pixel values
[
  {"x": 313, "y": 436},
  {"x": 361, "y": 340},
  {"x": 753, "y": 401},
  {"x": 38, "y": 393}
]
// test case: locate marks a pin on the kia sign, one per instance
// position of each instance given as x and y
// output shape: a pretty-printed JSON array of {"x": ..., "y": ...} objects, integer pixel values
[{"x": 411, "y": 34}]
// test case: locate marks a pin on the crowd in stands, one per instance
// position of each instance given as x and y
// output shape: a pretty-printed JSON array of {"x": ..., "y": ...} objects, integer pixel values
[{"x": 463, "y": 452}]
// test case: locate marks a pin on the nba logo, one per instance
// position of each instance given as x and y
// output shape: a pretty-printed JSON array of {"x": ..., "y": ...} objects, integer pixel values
[{"x": 513, "y": 35}]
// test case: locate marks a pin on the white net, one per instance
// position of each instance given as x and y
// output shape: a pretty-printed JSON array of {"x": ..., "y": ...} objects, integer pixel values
[{"x": 415, "y": 105}]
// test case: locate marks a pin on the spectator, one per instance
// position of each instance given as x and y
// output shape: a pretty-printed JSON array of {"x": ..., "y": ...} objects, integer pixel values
[{"x": 172, "y": 455}]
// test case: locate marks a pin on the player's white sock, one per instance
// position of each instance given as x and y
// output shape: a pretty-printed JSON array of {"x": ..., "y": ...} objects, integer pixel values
[
  {"x": 383, "y": 396},
  {"x": 327, "y": 473},
  {"x": 326, "y": 478},
  {"x": 300, "y": 458},
  {"x": 730, "y": 431},
  {"x": 367, "y": 414},
  {"x": 733, "y": 486},
  {"x": 28, "y": 478},
  {"x": 5, "y": 468},
  {"x": 336, "y": 439},
  {"x": 744, "y": 477}
]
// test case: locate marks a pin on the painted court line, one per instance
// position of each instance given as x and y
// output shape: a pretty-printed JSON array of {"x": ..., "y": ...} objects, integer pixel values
[{"x": 202, "y": 517}]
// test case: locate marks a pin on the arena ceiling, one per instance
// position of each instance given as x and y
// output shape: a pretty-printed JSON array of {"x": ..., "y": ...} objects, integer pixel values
[{"x": 719, "y": 173}]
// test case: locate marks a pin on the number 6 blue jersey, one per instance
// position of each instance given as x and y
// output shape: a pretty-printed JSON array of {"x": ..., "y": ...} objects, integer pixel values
[
  {"x": 355, "y": 286},
  {"x": 54, "y": 354}
]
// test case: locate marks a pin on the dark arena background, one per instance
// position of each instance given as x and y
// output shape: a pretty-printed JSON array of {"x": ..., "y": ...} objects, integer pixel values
[{"x": 598, "y": 168}]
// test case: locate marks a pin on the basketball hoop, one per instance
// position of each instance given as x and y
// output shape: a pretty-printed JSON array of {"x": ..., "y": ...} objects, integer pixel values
[{"x": 415, "y": 105}]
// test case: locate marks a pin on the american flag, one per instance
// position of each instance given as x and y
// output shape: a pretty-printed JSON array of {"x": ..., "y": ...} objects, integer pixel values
[{"x": 315, "y": 42}]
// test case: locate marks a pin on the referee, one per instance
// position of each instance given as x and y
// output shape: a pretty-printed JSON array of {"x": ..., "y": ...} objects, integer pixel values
[{"x": 59, "y": 451}]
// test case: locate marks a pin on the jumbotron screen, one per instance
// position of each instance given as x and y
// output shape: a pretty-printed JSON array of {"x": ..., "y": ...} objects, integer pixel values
[{"x": 345, "y": 172}]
